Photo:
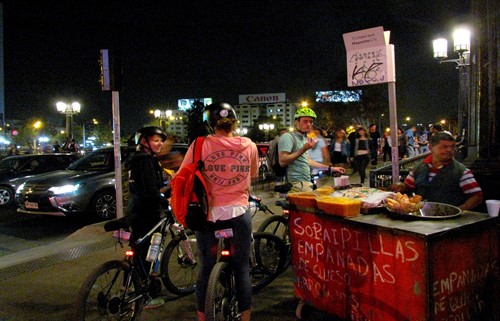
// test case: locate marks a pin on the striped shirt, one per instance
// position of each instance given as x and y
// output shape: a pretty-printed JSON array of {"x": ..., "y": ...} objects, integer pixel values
[{"x": 468, "y": 183}]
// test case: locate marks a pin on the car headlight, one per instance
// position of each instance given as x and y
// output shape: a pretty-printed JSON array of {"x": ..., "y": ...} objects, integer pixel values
[
  {"x": 70, "y": 188},
  {"x": 20, "y": 188}
]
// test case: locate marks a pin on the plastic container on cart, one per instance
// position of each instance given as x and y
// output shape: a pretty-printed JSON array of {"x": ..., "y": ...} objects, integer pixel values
[
  {"x": 340, "y": 206},
  {"x": 302, "y": 199}
]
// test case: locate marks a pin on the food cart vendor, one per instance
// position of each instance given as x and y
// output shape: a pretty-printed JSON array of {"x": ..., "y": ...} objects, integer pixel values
[{"x": 441, "y": 178}]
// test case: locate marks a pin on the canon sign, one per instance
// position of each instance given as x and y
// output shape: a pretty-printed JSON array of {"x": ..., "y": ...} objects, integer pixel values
[{"x": 262, "y": 98}]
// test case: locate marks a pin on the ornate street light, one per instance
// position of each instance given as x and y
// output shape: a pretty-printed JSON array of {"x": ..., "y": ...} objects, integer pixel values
[
  {"x": 461, "y": 46},
  {"x": 69, "y": 110},
  {"x": 266, "y": 128},
  {"x": 163, "y": 116}
]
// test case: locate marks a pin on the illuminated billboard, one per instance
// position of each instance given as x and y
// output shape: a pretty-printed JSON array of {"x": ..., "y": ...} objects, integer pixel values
[
  {"x": 338, "y": 96},
  {"x": 185, "y": 104}
]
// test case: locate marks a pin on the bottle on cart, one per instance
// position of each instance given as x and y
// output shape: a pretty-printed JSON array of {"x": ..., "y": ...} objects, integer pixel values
[{"x": 154, "y": 247}]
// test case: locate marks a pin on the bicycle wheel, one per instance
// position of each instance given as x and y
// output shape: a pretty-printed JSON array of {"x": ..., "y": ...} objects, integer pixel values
[
  {"x": 109, "y": 293},
  {"x": 220, "y": 300},
  {"x": 278, "y": 225},
  {"x": 270, "y": 258},
  {"x": 178, "y": 272}
]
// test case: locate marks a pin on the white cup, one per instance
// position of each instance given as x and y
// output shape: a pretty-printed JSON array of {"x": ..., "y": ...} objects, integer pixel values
[{"x": 493, "y": 207}]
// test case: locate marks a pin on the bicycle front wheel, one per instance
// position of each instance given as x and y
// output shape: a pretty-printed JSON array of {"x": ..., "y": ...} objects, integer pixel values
[
  {"x": 220, "y": 300},
  {"x": 109, "y": 293},
  {"x": 179, "y": 265},
  {"x": 270, "y": 258},
  {"x": 278, "y": 225}
]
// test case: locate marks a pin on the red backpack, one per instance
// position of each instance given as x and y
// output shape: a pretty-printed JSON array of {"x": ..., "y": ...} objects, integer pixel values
[{"x": 189, "y": 200}]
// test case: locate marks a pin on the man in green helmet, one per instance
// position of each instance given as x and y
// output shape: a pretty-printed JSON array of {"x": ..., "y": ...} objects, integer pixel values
[{"x": 292, "y": 152}]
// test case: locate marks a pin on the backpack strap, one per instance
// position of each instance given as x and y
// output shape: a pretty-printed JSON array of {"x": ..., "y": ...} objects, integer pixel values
[
  {"x": 197, "y": 148},
  {"x": 294, "y": 142}
]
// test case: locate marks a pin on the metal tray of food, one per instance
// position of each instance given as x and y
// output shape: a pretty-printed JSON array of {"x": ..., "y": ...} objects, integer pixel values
[{"x": 430, "y": 211}]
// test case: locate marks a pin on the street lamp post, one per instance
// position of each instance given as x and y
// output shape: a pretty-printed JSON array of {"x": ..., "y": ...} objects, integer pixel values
[
  {"x": 461, "y": 45},
  {"x": 443, "y": 122},
  {"x": 162, "y": 116},
  {"x": 37, "y": 125},
  {"x": 69, "y": 110},
  {"x": 94, "y": 122},
  {"x": 266, "y": 128}
]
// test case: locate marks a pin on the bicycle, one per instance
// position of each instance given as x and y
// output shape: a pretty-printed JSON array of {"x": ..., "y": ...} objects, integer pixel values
[
  {"x": 255, "y": 204},
  {"x": 267, "y": 255},
  {"x": 118, "y": 289},
  {"x": 278, "y": 224}
]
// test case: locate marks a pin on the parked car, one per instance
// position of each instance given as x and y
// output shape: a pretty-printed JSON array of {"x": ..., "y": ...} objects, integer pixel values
[
  {"x": 85, "y": 187},
  {"x": 15, "y": 170}
]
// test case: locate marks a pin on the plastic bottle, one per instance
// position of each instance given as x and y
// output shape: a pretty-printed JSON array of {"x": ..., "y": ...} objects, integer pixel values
[{"x": 154, "y": 247}]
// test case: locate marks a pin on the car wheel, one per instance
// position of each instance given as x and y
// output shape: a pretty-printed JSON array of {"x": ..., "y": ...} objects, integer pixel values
[
  {"x": 6, "y": 196},
  {"x": 104, "y": 205}
]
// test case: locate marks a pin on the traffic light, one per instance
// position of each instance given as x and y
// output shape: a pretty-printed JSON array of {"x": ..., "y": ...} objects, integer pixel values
[{"x": 111, "y": 70}]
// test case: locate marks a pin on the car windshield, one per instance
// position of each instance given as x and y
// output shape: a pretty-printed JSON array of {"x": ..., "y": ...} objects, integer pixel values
[
  {"x": 13, "y": 163},
  {"x": 98, "y": 160}
]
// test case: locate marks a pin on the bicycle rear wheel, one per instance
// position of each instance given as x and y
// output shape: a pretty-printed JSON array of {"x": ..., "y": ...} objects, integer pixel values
[
  {"x": 270, "y": 259},
  {"x": 178, "y": 271},
  {"x": 220, "y": 300},
  {"x": 105, "y": 294},
  {"x": 278, "y": 225}
]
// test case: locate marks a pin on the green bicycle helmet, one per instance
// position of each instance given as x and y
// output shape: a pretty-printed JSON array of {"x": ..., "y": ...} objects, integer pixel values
[{"x": 305, "y": 112}]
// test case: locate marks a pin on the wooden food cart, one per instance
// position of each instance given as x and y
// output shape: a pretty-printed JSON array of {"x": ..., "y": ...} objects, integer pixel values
[{"x": 373, "y": 267}]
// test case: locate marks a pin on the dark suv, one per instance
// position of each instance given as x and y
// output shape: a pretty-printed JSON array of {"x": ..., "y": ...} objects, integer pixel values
[
  {"x": 15, "y": 170},
  {"x": 87, "y": 186}
]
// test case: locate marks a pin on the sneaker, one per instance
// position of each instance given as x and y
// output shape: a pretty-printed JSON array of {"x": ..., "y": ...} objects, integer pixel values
[{"x": 154, "y": 303}]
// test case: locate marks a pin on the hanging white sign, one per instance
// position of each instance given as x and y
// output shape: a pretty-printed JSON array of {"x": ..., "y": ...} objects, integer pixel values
[{"x": 370, "y": 59}]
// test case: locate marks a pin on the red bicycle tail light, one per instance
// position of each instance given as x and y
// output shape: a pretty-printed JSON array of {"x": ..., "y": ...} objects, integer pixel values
[
  {"x": 286, "y": 212},
  {"x": 224, "y": 253},
  {"x": 129, "y": 253}
]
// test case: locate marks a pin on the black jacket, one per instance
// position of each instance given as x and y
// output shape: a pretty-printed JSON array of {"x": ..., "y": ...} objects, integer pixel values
[{"x": 145, "y": 181}]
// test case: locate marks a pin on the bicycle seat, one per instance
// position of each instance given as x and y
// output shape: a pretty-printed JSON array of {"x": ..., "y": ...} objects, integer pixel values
[{"x": 113, "y": 225}]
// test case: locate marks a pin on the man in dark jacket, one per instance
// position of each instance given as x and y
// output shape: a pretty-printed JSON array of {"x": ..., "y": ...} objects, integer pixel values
[{"x": 375, "y": 144}]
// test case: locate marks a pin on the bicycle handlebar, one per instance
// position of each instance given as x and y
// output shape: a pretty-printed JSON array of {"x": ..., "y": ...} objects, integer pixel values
[{"x": 258, "y": 203}]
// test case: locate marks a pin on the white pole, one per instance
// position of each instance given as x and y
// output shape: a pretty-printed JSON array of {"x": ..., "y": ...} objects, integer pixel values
[
  {"x": 117, "y": 153},
  {"x": 394, "y": 131}
]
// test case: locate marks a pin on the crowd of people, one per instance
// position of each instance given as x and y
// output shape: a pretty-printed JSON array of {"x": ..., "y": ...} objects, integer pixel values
[{"x": 303, "y": 151}]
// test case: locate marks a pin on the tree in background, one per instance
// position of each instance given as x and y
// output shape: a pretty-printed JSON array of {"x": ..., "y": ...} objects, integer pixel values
[{"x": 194, "y": 121}]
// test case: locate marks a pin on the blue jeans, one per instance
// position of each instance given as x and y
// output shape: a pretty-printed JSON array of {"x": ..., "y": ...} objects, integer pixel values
[
  {"x": 411, "y": 151},
  {"x": 240, "y": 257},
  {"x": 423, "y": 148}
]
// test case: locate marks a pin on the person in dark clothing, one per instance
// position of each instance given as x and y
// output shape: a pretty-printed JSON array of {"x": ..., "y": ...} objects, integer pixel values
[
  {"x": 145, "y": 180},
  {"x": 56, "y": 147},
  {"x": 360, "y": 152},
  {"x": 352, "y": 139},
  {"x": 375, "y": 144}
]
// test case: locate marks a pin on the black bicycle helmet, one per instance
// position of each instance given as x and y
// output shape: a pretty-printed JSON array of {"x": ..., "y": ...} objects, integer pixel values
[
  {"x": 149, "y": 131},
  {"x": 215, "y": 112}
]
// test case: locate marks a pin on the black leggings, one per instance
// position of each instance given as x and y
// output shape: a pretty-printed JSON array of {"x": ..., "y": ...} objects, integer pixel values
[{"x": 360, "y": 164}]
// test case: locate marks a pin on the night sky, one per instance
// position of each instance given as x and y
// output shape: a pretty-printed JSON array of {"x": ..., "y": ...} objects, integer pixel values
[{"x": 219, "y": 49}]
